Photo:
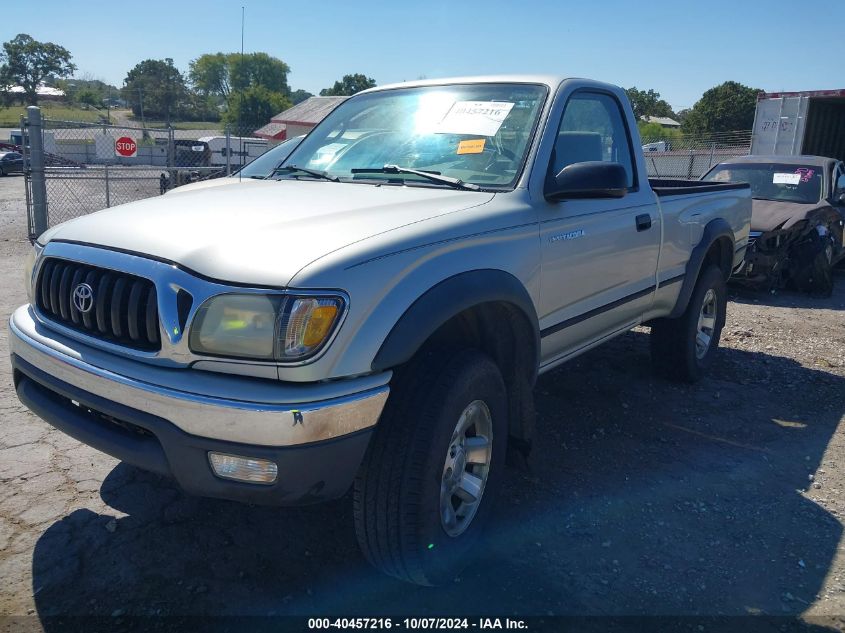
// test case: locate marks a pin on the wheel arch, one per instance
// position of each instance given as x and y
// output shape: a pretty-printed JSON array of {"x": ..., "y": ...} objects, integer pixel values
[
  {"x": 715, "y": 247},
  {"x": 489, "y": 310}
]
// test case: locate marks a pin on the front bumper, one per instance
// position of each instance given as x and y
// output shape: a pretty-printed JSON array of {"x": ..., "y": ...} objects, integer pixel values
[
  {"x": 167, "y": 420},
  {"x": 757, "y": 266}
]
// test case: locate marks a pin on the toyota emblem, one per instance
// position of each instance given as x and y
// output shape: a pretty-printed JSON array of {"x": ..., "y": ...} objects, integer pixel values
[{"x": 83, "y": 298}]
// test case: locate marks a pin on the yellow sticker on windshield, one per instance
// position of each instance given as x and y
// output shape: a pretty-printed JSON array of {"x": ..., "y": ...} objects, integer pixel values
[{"x": 474, "y": 146}]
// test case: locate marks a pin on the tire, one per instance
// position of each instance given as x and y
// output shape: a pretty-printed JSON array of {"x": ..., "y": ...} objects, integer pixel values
[
  {"x": 816, "y": 277},
  {"x": 677, "y": 350},
  {"x": 399, "y": 488},
  {"x": 3, "y": 171}
]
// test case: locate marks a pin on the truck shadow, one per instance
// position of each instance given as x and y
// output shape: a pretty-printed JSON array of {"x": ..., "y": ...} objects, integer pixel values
[{"x": 645, "y": 497}]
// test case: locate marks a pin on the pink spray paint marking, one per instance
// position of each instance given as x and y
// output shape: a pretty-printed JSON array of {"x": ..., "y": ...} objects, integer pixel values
[{"x": 806, "y": 174}]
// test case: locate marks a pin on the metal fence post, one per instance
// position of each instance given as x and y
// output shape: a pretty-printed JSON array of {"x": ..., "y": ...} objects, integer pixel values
[
  {"x": 108, "y": 193},
  {"x": 171, "y": 158},
  {"x": 228, "y": 151},
  {"x": 27, "y": 180},
  {"x": 36, "y": 166}
]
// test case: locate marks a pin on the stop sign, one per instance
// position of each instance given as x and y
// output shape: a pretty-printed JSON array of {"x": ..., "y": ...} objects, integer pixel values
[{"x": 125, "y": 146}]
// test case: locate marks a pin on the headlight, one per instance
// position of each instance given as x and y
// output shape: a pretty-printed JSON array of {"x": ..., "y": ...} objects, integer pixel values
[
  {"x": 28, "y": 268},
  {"x": 264, "y": 327}
]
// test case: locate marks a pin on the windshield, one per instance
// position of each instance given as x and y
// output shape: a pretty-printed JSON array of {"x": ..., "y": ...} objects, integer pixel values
[
  {"x": 476, "y": 133},
  {"x": 263, "y": 166},
  {"x": 774, "y": 181}
]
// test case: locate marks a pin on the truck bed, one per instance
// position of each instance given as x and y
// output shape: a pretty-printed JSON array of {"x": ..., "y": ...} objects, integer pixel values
[{"x": 670, "y": 187}]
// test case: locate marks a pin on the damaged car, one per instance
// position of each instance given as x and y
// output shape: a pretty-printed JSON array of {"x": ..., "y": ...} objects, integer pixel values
[{"x": 797, "y": 220}]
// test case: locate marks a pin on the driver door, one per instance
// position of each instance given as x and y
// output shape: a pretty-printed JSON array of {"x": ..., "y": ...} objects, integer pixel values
[{"x": 599, "y": 256}]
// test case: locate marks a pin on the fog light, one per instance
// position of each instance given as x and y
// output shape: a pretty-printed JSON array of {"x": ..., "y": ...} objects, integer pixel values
[{"x": 249, "y": 469}]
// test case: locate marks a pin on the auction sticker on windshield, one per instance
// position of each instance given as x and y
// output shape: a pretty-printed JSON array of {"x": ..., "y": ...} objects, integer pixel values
[
  {"x": 472, "y": 146},
  {"x": 786, "y": 179},
  {"x": 481, "y": 118}
]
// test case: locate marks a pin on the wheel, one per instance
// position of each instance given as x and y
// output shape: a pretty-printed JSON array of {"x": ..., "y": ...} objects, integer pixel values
[
  {"x": 433, "y": 468},
  {"x": 816, "y": 276},
  {"x": 683, "y": 348},
  {"x": 3, "y": 171}
]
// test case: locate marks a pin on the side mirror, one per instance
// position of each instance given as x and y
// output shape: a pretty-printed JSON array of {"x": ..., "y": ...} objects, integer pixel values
[{"x": 593, "y": 179}]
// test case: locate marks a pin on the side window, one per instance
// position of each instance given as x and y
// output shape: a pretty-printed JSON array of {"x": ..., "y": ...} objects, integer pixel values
[
  {"x": 592, "y": 129},
  {"x": 839, "y": 184}
]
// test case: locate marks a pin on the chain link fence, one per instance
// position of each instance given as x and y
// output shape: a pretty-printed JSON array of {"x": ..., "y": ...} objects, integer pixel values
[
  {"x": 72, "y": 192},
  {"x": 85, "y": 170},
  {"x": 88, "y": 167},
  {"x": 689, "y": 157}
]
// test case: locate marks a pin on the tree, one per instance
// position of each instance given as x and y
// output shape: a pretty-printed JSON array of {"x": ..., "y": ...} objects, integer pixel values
[
  {"x": 251, "y": 108},
  {"x": 88, "y": 97},
  {"x": 199, "y": 107},
  {"x": 86, "y": 89},
  {"x": 221, "y": 74},
  {"x": 298, "y": 96},
  {"x": 26, "y": 62},
  {"x": 157, "y": 86},
  {"x": 648, "y": 103},
  {"x": 209, "y": 74},
  {"x": 681, "y": 115},
  {"x": 653, "y": 132},
  {"x": 259, "y": 69},
  {"x": 349, "y": 85},
  {"x": 728, "y": 107}
]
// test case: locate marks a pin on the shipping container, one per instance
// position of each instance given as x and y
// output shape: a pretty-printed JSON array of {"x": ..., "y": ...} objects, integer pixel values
[{"x": 792, "y": 123}]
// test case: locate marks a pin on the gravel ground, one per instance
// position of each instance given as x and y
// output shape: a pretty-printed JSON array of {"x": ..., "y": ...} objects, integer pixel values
[{"x": 644, "y": 498}]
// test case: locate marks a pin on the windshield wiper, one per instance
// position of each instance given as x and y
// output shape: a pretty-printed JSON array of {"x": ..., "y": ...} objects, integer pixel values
[
  {"x": 433, "y": 176},
  {"x": 311, "y": 172}
]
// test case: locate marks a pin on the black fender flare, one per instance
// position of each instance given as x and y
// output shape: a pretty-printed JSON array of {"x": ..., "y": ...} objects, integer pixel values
[
  {"x": 447, "y": 299},
  {"x": 714, "y": 230}
]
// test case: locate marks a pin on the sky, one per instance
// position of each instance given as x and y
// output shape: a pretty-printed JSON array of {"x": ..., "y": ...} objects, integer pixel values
[{"x": 678, "y": 48}]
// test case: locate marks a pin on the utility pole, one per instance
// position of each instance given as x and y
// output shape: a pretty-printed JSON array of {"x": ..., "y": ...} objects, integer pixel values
[
  {"x": 141, "y": 100},
  {"x": 143, "y": 122}
]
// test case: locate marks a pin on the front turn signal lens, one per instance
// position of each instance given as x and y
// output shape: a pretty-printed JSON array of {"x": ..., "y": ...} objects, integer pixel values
[
  {"x": 308, "y": 324},
  {"x": 319, "y": 325}
]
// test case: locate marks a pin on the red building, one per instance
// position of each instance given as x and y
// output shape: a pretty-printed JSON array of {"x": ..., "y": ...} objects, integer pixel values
[{"x": 298, "y": 120}]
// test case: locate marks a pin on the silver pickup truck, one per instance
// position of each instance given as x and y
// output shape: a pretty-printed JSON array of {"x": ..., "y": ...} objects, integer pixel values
[{"x": 375, "y": 315}]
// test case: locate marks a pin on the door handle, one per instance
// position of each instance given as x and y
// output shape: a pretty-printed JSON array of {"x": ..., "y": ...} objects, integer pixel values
[{"x": 643, "y": 222}]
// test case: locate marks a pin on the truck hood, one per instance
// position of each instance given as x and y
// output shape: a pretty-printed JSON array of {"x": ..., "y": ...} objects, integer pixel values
[
  {"x": 768, "y": 215},
  {"x": 206, "y": 184},
  {"x": 261, "y": 232}
]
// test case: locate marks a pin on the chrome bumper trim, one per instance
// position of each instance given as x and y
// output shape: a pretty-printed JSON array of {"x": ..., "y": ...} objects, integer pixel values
[{"x": 343, "y": 407}]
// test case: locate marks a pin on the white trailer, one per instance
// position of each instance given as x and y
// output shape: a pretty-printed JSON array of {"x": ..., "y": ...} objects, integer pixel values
[
  {"x": 241, "y": 150},
  {"x": 793, "y": 123}
]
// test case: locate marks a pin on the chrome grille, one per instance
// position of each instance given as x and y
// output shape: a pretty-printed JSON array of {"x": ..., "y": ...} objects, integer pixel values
[{"x": 123, "y": 310}]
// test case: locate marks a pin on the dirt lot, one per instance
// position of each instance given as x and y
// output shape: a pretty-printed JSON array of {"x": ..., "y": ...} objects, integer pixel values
[{"x": 645, "y": 498}]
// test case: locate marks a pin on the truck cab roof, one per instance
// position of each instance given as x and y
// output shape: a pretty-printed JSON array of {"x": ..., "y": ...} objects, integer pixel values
[
  {"x": 816, "y": 161},
  {"x": 550, "y": 80}
]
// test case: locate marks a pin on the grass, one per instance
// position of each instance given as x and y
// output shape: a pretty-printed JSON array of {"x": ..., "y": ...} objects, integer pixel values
[
  {"x": 11, "y": 117},
  {"x": 183, "y": 125}
]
